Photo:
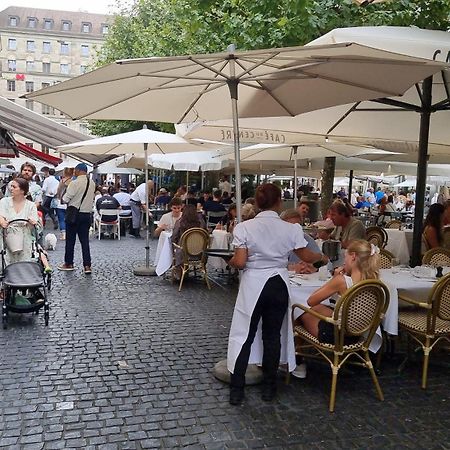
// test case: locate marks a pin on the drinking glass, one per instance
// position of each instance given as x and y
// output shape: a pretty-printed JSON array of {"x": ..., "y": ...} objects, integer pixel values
[
  {"x": 395, "y": 265},
  {"x": 307, "y": 221}
]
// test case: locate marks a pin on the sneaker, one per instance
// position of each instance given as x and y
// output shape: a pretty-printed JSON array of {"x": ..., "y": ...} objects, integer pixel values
[
  {"x": 66, "y": 267},
  {"x": 87, "y": 270},
  {"x": 48, "y": 269},
  {"x": 300, "y": 371}
]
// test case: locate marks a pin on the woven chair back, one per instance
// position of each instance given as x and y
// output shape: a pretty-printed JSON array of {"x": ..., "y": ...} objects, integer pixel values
[
  {"x": 361, "y": 309},
  {"x": 437, "y": 257},
  {"x": 194, "y": 242},
  {"x": 377, "y": 236},
  {"x": 441, "y": 298},
  {"x": 395, "y": 224},
  {"x": 386, "y": 259}
]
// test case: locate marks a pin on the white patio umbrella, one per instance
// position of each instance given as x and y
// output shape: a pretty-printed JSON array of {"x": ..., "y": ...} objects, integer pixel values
[
  {"x": 141, "y": 142},
  {"x": 275, "y": 82},
  {"x": 390, "y": 123}
]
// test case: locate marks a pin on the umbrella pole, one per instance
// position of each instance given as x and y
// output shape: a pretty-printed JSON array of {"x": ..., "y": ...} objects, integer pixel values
[
  {"x": 350, "y": 185},
  {"x": 146, "y": 270},
  {"x": 422, "y": 162},
  {"x": 233, "y": 87},
  {"x": 295, "y": 175}
]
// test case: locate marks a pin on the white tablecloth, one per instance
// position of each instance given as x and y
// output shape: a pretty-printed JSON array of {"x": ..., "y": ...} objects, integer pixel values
[
  {"x": 400, "y": 244},
  {"x": 219, "y": 239},
  {"x": 402, "y": 282},
  {"x": 164, "y": 253}
]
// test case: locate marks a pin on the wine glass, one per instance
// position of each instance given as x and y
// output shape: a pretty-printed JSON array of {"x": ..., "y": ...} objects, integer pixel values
[{"x": 307, "y": 221}]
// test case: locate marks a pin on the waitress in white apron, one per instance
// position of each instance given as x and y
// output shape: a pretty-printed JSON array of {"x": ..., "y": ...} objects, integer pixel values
[{"x": 262, "y": 247}]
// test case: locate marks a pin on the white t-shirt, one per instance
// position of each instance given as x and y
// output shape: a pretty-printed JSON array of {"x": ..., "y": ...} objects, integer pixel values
[
  {"x": 268, "y": 239},
  {"x": 138, "y": 194},
  {"x": 50, "y": 186},
  {"x": 169, "y": 220}
]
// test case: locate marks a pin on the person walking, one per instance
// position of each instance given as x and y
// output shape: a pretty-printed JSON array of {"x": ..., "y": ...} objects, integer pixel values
[
  {"x": 79, "y": 195},
  {"x": 60, "y": 206},
  {"x": 49, "y": 190},
  {"x": 262, "y": 247}
]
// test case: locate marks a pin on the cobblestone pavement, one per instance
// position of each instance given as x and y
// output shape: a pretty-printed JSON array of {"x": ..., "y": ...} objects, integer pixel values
[{"x": 126, "y": 363}]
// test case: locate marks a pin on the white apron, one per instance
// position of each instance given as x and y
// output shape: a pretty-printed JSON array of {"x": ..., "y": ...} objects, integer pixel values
[{"x": 252, "y": 283}]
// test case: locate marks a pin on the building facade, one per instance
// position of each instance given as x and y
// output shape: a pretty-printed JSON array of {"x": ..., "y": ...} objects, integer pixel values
[{"x": 41, "y": 47}]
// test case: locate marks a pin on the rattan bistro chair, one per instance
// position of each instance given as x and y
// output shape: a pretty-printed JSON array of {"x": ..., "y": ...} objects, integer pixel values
[
  {"x": 394, "y": 224},
  {"x": 430, "y": 323},
  {"x": 386, "y": 259},
  {"x": 377, "y": 236},
  {"x": 193, "y": 243},
  {"x": 436, "y": 257},
  {"x": 357, "y": 313}
]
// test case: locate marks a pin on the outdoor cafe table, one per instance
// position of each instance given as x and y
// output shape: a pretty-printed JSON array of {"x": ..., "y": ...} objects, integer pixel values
[
  {"x": 164, "y": 253},
  {"x": 401, "y": 282},
  {"x": 400, "y": 244},
  {"x": 219, "y": 240}
]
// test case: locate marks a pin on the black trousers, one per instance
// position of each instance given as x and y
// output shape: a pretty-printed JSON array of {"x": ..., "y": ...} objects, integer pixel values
[
  {"x": 271, "y": 308},
  {"x": 80, "y": 228},
  {"x": 46, "y": 209}
]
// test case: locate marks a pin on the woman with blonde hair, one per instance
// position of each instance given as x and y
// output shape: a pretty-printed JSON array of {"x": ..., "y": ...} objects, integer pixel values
[{"x": 361, "y": 262}]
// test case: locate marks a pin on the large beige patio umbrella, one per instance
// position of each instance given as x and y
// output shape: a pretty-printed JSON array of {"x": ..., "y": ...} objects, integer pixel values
[{"x": 275, "y": 82}]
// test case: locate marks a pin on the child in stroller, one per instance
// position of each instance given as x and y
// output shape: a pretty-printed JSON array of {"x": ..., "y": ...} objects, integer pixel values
[{"x": 24, "y": 280}]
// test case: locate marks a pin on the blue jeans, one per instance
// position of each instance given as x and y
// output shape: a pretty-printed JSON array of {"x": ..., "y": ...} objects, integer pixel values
[
  {"x": 61, "y": 214},
  {"x": 80, "y": 228}
]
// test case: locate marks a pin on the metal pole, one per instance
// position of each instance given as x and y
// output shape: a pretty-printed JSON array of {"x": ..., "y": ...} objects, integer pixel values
[
  {"x": 422, "y": 162},
  {"x": 295, "y": 147},
  {"x": 233, "y": 87},
  {"x": 147, "y": 234},
  {"x": 350, "y": 185}
]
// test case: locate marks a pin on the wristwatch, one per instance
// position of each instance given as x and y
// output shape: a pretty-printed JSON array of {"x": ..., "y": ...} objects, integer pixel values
[{"x": 319, "y": 264}]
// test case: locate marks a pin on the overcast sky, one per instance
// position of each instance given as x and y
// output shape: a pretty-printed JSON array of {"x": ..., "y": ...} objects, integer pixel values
[{"x": 93, "y": 6}]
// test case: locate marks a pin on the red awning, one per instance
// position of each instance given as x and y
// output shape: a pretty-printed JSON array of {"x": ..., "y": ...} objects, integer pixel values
[{"x": 36, "y": 154}]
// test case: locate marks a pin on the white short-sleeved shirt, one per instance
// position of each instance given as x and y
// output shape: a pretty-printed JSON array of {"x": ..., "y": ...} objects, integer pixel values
[
  {"x": 268, "y": 239},
  {"x": 169, "y": 220},
  {"x": 138, "y": 194}
]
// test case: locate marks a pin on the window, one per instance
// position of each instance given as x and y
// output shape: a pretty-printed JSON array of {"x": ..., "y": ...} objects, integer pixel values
[
  {"x": 45, "y": 85},
  {"x": 47, "y": 110},
  {"x": 32, "y": 22},
  {"x": 83, "y": 69},
  {"x": 45, "y": 149},
  {"x": 45, "y": 67},
  {"x": 64, "y": 69},
  {"x": 30, "y": 66},
  {"x": 85, "y": 50},
  {"x": 86, "y": 27},
  {"x": 11, "y": 85},
  {"x": 13, "y": 21},
  {"x": 64, "y": 48},
  {"x": 29, "y": 144},
  {"x": 29, "y": 104},
  {"x": 48, "y": 24},
  {"x": 46, "y": 47},
  {"x": 66, "y": 25},
  {"x": 31, "y": 46},
  {"x": 105, "y": 29},
  {"x": 12, "y": 44},
  {"x": 12, "y": 65},
  {"x": 29, "y": 86}
]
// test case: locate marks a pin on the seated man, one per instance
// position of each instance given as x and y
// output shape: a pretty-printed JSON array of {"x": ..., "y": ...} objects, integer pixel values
[
  {"x": 362, "y": 203},
  {"x": 123, "y": 197},
  {"x": 107, "y": 202},
  {"x": 214, "y": 205},
  {"x": 348, "y": 228},
  {"x": 163, "y": 197},
  {"x": 168, "y": 220},
  {"x": 303, "y": 210},
  {"x": 294, "y": 216}
]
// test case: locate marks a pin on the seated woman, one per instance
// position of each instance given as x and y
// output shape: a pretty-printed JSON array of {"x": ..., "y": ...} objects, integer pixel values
[
  {"x": 432, "y": 235},
  {"x": 231, "y": 218},
  {"x": 189, "y": 219},
  {"x": 361, "y": 263}
]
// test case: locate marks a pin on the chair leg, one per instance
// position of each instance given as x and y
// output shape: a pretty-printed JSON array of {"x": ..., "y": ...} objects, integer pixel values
[
  {"x": 99, "y": 230},
  {"x": 183, "y": 273},
  {"x": 426, "y": 358},
  {"x": 205, "y": 273},
  {"x": 335, "y": 370},
  {"x": 369, "y": 365}
]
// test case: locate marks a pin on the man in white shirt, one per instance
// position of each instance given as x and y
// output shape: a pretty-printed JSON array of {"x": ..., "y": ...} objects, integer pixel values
[
  {"x": 138, "y": 202},
  {"x": 225, "y": 185},
  {"x": 123, "y": 197},
  {"x": 168, "y": 220},
  {"x": 49, "y": 189}
]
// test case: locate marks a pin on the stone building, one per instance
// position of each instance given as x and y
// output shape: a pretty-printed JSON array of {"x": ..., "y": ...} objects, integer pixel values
[{"x": 42, "y": 47}]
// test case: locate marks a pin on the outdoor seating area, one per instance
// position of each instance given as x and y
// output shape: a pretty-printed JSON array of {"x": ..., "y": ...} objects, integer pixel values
[{"x": 243, "y": 248}]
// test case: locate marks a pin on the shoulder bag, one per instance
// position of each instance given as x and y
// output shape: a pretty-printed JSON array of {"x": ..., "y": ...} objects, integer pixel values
[{"x": 72, "y": 211}]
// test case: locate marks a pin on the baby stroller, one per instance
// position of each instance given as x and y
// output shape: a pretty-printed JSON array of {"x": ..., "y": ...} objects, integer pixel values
[{"x": 24, "y": 284}]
